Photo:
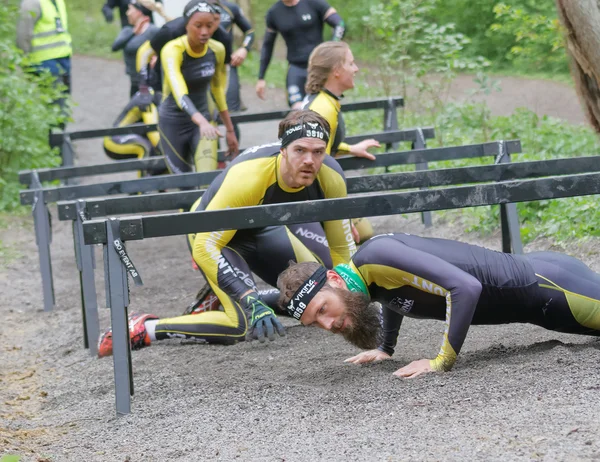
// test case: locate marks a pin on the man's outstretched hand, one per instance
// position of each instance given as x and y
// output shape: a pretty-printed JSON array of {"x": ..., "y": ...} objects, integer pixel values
[
  {"x": 261, "y": 319},
  {"x": 368, "y": 357}
]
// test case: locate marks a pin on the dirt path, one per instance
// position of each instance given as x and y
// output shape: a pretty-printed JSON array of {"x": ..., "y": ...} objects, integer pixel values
[{"x": 517, "y": 392}]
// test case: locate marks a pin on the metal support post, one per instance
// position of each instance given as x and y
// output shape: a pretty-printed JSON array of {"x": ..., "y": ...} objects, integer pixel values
[
  {"x": 68, "y": 157},
  {"x": 420, "y": 143},
  {"x": 390, "y": 122},
  {"x": 43, "y": 237},
  {"x": 84, "y": 255},
  {"x": 117, "y": 290},
  {"x": 509, "y": 218}
]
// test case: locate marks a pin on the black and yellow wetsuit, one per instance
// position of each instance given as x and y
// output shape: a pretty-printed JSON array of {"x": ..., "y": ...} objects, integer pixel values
[
  {"x": 465, "y": 284},
  {"x": 187, "y": 78},
  {"x": 228, "y": 258},
  {"x": 328, "y": 106},
  {"x": 133, "y": 146},
  {"x": 172, "y": 30}
]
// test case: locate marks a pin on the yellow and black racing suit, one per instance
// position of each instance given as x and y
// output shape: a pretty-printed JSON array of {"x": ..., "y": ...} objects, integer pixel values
[
  {"x": 328, "y": 106},
  {"x": 464, "y": 284},
  {"x": 141, "y": 108},
  {"x": 228, "y": 258},
  {"x": 187, "y": 78}
]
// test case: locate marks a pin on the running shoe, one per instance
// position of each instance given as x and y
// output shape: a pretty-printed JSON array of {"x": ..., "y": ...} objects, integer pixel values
[
  {"x": 137, "y": 334},
  {"x": 205, "y": 300}
]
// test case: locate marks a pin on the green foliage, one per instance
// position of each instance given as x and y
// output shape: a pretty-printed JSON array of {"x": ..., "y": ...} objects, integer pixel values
[
  {"x": 529, "y": 34},
  {"x": 91, "y": 34},
  {"x": 424, "y": 56},
  {"x": 10, "y": 458},
  {"x": 26, "y": 114},
  {"x": 542, "y": 138},
  {"x": 538, "y": 42},
  {"x": 546, "y": 138}
]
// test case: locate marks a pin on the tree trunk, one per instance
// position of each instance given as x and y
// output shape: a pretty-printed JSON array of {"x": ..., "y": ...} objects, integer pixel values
[{"x": 581, "y": 20}]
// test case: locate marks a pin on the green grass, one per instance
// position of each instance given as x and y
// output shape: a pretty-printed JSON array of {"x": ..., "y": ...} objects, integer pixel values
[
  {"x": 10, "y": 458},
  {"x": 91, "y": 34}
]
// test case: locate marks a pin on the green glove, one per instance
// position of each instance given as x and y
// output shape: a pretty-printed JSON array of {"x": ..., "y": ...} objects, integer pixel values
[{"x": 261, "y": 318}]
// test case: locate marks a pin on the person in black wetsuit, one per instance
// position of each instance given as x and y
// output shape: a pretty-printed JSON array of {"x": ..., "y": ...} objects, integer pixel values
[
  {"x": 441, "y": 279},
  {"x": 132, "y": 37},
  {"x": 123, "y": 5},
  {"x": 232, "y": 14},
  {"x": 300, "y": 22}
]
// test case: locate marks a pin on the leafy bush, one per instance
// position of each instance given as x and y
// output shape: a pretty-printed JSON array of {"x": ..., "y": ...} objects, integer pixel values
[
  {"x": 541, "y": 138},
  {"x": 538, "y": 42},
  {"x": 26, "y": 114},
  {"x": 419, "y": 58}
]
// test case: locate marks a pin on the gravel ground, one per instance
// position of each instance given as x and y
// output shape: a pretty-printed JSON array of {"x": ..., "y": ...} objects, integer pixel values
[{"x": 517, "y": 392}]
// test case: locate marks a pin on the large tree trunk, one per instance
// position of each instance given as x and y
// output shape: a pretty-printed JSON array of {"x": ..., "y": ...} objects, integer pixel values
[{"x": 581, "y": 19}]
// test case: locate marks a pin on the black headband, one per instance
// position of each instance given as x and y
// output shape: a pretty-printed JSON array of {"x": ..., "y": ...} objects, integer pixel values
[
  {"x": 304, "y": 130},
  {"x": 200, "y": 7},
  {"x": 306, "y": 292}
]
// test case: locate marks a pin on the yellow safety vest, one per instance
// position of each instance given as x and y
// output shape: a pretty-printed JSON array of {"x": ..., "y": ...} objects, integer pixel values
[{"x": 51, "y": 39}]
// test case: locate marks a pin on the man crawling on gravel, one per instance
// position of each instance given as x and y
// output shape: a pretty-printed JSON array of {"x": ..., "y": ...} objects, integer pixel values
[
  {"x": 297, "y": 169},
  {"x": 439, "y": 279}
]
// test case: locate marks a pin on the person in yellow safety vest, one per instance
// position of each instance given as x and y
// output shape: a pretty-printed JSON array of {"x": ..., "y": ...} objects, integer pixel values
[{"x": 43, "y": 35}]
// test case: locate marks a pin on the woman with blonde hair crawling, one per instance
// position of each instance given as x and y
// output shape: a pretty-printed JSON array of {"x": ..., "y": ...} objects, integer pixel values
[{"x": 331, "y": 71}]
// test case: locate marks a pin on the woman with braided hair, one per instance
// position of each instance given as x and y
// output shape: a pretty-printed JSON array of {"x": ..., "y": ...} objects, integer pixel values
[{"x": 192, "y": 64}]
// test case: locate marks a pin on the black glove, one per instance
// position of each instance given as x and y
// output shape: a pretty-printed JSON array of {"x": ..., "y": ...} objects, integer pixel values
[
  {"x": 108, "y": 13},
  {"x": 261, "y": 318},
  {"x": 144, "y": 97}
]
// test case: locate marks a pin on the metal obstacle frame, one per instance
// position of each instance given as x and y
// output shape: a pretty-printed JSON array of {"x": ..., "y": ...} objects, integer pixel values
[{"x": 113, "y": 233}]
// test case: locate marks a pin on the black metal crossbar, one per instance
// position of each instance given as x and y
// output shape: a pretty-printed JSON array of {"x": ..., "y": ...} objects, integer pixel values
[
  {"x": 95, "y": 208},
  {"x": 194, "y": 179},
  {"x": 65, "y": 173},
  {"x": 56, "y": 139},
  {"x": 145, "y": 227}
]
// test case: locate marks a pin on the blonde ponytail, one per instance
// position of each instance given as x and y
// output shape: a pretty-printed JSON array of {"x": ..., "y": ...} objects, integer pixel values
[{"x": 323, "y": 59}]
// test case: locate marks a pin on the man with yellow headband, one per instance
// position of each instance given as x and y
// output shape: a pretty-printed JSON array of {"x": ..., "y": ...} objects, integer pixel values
[
  {"x": 295, "y": 169},
  {"x": 441, "y": 279}
]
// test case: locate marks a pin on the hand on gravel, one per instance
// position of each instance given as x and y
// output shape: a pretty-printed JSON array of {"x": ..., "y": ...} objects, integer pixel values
[
  {"x": 414, "y": 369},
  {"x": 368, "y": 357},
  {"x": 261, "y": 319}
]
